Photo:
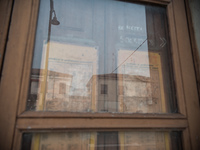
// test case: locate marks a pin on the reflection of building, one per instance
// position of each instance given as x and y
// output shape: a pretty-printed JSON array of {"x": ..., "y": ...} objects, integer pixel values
[
  {"x": 114, "y": 93},
  {"x": 79, "y": 61},
  {"x": 113, "y": 140},
  {"x": 106, "y": 86},
  {"x": 142, "y": 80},
  {"x": 57, "y": 89},
  {"x": 126, "y": 93},
  {"x": 70, "y": 68},
  {"x": 58, "y": 97},
  {"x": 57, "y": 86},
  {"x": 72, "y": 86},
  {"x": 137, "y": 94}
]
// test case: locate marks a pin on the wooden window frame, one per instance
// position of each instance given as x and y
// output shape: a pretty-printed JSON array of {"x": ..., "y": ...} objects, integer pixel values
[
  {"x": 5, "y": 15},
  {"x": 16, "y": 75}
]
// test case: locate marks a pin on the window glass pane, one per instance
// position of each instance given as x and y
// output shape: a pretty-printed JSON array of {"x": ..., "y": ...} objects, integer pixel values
[
  {"x": 101, "y": 56},
  {"x": 115, "y": 140}
]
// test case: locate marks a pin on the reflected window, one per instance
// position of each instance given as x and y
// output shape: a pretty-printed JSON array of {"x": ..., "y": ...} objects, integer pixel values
[
  {"x": 104, "y": 89},
  {"x": 84, "y": 47},
  {"x": 34, "y": 87},
  {"x": 62, "y": 88}
]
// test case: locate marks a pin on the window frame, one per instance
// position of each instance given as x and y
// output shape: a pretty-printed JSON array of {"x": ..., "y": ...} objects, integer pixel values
[{"x": 18, "y": 60}]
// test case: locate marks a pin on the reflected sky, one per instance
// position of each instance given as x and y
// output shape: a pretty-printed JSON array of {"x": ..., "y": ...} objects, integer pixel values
[{"x": 79, "y": 27}]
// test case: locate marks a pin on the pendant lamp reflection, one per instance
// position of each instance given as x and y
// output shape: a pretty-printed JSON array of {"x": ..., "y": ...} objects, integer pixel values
[{"x": 54, "y": 21}]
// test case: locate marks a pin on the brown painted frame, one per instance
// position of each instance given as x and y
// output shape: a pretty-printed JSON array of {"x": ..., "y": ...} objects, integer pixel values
[
  {"x": 16, "y": 74},
  {"x": 193, "y": 41},
  {"x": 5, "y": 15}
]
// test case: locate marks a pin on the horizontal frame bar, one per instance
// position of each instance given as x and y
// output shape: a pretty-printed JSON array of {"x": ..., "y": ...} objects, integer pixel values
[
  {"x": 40, "y": 114},
  {"x": 89, "y": 123},
  {"x": 161, "y": 2}
]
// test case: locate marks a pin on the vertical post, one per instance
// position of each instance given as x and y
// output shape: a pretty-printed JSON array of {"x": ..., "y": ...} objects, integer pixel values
[{"x": 45, "y": 71}]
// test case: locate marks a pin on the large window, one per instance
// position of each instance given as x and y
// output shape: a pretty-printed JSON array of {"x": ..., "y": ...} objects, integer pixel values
[
  {"x": 99, "y": 75},
  {"x": 102, "y": 56},
  {"x": 102, "y": 47}
]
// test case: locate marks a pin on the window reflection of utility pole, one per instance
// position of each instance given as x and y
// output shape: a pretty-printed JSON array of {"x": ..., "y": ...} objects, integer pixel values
[{"x": 53, "y": 21}]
